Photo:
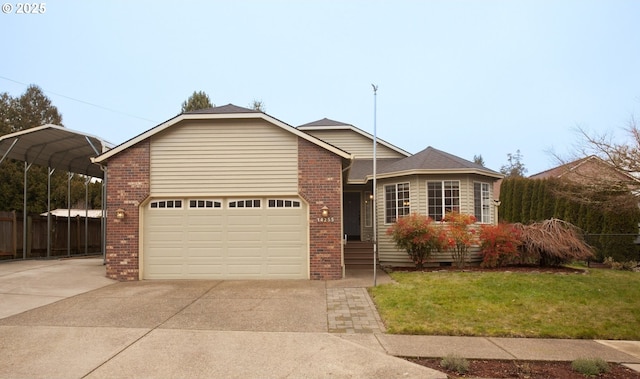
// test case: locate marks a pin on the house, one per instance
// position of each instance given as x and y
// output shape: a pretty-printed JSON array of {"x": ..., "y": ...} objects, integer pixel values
[{"x": 234, "y": 193}]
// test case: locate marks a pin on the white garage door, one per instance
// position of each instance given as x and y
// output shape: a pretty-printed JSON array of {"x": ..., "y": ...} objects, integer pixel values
[{"x": 257, "y": 238}]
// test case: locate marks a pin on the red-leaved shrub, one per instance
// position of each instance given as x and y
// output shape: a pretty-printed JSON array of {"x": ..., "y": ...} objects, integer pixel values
[{"x": 499, "y": 244}]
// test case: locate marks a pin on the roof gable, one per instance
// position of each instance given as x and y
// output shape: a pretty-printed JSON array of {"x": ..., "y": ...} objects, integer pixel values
[
  {"x": 328, "y": 124},
  {"x": 229, "y": 111},
  {"x": 223, "y": 109}
]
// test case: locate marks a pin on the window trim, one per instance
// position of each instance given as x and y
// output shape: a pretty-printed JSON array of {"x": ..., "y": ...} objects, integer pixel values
[
  {"x": 483, "y": 206},
  {"x": 443, "y": 198},
  {"x": 406, "y": 206},
  {"x": 155, "y": 204},
  {"x": 215, "y": 204},
  {"x": 293, "y": 203},
  {"x": 233, "y": 204}
]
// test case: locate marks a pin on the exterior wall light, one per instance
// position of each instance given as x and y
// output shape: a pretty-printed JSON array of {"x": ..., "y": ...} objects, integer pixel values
[
  {"x": 120, "y": 214},
  {"x": 325, "y": 212}
]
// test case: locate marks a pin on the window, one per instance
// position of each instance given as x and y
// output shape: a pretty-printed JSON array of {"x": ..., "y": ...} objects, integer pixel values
[
  {"x": 396, "y": 202},
  {"x": 166, "y": 204},
  {"x": 282, "y": 203},
  {"x": 481, "y": 208},
  {"x": 245, "y": 203},
  {"x": 442, "y": 197},
  {"x": 205, "y": 204},
  {"x": 368, "y": 209}
]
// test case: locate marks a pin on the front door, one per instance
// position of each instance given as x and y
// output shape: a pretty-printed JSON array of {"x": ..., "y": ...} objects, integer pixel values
[{"x": 351, "y": 202}]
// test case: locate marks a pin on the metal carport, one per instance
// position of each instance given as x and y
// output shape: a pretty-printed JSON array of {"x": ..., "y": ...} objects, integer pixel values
[{"x": 57, "y": 148}]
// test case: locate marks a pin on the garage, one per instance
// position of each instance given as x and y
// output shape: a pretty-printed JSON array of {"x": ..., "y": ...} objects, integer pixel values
[{"x": 225, "y": 238}]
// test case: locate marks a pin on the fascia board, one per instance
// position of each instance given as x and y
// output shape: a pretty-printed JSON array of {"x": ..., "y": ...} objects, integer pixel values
[
  {"x": 222, "y": 116},
  {"x": 359, "y": 131}
]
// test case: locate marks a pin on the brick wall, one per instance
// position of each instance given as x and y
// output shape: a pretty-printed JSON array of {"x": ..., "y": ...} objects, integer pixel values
[
  {"x": 320, "y": 183},
  {"x": 127, "y": 187}
]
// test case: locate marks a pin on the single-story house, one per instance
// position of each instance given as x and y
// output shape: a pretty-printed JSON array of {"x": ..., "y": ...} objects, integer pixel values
[{"x": 234, "y": 193}]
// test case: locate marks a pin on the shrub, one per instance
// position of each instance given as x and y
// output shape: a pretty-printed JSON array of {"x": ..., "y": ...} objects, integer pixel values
[
  {"x": 455, "y": 363},
  {"x": 553, "y": 242},
  {"x": 418, "y": 236},
  {"x": 623, "y": 266},
  {"x": 460, "y": 236},
  {"x": 499, "y": 244},
  {"x": 590, "y": 366}
]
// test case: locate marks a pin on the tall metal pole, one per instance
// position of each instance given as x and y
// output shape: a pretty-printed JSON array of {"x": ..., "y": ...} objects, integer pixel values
[{"x": 375, "y": 198}]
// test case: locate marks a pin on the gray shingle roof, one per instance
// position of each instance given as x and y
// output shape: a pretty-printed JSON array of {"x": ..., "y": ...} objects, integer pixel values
[
  {"x": 325, "y": 122},
  {"x": 429, "y": 159},
  {"x": 223, "y": 109},
  {"x": 433, "y": 159}
]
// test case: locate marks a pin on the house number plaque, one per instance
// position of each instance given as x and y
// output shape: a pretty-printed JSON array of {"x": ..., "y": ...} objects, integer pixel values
[{"x": 326, "y": 219}]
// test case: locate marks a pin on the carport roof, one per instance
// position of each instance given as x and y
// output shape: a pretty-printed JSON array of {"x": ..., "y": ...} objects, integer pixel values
[{"x": 56, "y": 147}]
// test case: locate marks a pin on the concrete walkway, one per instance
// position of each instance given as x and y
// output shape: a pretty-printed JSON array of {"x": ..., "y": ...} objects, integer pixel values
[{"x": 65, "y": 319}]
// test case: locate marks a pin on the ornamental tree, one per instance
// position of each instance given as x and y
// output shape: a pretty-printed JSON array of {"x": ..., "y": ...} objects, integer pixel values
[
  {"x": 418, "y": 236},
  {"x": 460, "y": 236}
]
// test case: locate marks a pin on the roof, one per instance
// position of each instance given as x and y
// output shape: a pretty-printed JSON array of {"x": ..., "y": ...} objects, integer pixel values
[
  {"x": 224, "y": 109},
  {"x": 591, "y": 168},
  {"x": 327, "y": 124},
  {"x": 56, "y": 147},
  {"x": 228, "y": 111},
  {"x": 324, "y": 122},
  {"x": 428, "y": 161}
]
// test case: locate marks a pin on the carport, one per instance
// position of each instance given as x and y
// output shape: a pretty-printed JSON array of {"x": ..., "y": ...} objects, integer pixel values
[{"x": 57, "y": 148}]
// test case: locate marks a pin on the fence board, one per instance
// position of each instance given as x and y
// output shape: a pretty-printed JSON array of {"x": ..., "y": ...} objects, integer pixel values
[{"x": 11, "y": 231}]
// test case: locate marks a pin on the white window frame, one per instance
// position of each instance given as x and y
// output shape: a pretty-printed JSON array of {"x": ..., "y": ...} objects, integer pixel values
[
  {"x": 233, "y": 204},
  {"x": 283, "y": 203},
  {"x": 205, "y": 204},
  {"x": 483, "y": 202},
  {"x": 393, "y": 209},
  {"x": 447, "y": 203},
  {"x": 166, "y": 204}
]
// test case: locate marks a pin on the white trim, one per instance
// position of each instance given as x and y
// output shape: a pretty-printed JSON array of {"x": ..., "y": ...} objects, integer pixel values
[
  {"x": 219, "y": 116},
  {"x": 359, "y": 131}
]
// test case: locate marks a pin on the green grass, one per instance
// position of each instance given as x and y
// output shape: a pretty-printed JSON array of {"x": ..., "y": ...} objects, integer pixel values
[{"x": 601, "y": 304}]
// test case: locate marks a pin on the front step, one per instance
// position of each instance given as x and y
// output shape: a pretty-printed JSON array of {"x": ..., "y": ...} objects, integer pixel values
[{"x": 358, "y": 254}]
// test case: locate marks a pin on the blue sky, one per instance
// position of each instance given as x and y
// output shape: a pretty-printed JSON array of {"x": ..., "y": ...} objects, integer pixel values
[{"x": 467, "y": 77}]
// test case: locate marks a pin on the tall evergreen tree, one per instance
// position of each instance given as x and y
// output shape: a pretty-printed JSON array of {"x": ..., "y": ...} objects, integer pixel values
[{"x": 198, "y": 100}]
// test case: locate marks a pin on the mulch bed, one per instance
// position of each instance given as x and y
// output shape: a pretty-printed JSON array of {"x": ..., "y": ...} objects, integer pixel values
[
  {"x": 516, "y": 268},
  {"x": 500, "y": 369}
]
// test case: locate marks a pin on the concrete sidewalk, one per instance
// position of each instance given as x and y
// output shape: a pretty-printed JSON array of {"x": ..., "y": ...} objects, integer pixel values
[{"x": 65, "y": 319}]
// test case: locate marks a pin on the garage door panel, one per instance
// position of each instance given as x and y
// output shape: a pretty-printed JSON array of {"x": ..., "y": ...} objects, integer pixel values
[{"x": 226, "y": 243}]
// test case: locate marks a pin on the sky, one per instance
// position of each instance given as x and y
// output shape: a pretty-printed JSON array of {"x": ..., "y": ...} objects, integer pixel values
[{"x": 471, "y": 78}]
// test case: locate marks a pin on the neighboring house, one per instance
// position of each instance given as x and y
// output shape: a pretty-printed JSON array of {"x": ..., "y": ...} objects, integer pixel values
[
  {"x": 589, "y": 171},
  {"x": 233, "y": 193}
]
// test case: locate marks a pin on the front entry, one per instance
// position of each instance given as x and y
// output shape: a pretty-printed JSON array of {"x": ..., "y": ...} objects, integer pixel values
[{"x": 351, "y": 201}]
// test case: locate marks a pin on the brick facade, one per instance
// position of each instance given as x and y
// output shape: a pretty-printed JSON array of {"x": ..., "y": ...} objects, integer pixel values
[
  {"x": 127, "y": 186},
  {"x": 320, "y": 183}
]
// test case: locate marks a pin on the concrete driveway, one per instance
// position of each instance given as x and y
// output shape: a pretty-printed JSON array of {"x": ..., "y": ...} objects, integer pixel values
[{"x": 84, "y": 325}]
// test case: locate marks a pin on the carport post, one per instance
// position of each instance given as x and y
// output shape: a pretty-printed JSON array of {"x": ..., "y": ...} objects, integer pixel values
[
  {"x": 49, "y": 173},
  {"x": 69, "y": 177},
  {"x": 27, "y": 166},
  {"x": 86, "y": 215}
]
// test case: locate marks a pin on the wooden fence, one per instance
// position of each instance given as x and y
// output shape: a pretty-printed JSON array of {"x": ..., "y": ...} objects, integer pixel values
[{"x": 11, "y": 232}]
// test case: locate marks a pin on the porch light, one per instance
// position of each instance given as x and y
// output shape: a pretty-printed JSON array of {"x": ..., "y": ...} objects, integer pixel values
[
  {"x": 325, "y": 212},
  {"x": 120, "y": 214}
]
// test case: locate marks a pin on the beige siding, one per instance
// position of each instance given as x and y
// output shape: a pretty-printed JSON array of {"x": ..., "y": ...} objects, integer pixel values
[
  {"x": 389, "y": 254},
  {"x": 354, "y": 143},
  {"x": 224, "y": 157}
]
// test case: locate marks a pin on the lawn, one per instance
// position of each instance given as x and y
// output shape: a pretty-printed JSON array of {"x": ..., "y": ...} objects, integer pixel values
[{"x": 598, "y": 304}]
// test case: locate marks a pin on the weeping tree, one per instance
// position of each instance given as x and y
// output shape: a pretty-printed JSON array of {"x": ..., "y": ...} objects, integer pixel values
[{"x": 552, "y": 242}]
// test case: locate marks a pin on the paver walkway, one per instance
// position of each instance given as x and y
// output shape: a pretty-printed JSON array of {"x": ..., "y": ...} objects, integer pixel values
[{"x": 350, "y": 310}]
